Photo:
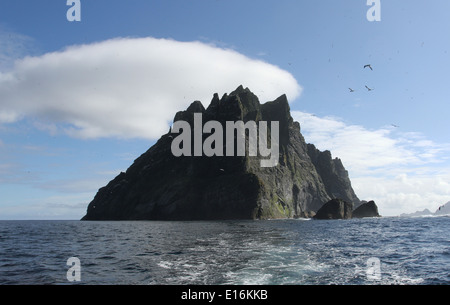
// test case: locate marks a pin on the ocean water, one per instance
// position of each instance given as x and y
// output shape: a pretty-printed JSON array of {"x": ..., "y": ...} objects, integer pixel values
[{"x": 277, "y": 252}]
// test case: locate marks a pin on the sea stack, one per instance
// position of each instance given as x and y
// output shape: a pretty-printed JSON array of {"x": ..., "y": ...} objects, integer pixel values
[
  {"x": 366, "y": 209},
  {"x": 162, "y": 186},
  {"x": 335, "y": 209}
]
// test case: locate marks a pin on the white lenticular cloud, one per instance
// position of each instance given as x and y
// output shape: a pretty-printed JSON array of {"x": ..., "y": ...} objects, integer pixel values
[{"x": 128, "y": 87}]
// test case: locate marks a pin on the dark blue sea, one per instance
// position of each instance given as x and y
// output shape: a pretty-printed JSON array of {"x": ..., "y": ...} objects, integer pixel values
[{"x": 359, "y": 251}]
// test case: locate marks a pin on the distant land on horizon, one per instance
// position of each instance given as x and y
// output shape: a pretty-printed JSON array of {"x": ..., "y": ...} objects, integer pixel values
[{"x": 442, "y": 210}]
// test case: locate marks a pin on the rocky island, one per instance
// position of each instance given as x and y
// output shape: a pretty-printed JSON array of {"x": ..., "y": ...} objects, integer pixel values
[{"x": 162, "y": 186}]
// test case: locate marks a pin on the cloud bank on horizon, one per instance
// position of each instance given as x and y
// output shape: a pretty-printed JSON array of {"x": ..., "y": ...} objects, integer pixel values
[
  {"x": 129, "y": 87},
  {"x": 401, "y": 171}
]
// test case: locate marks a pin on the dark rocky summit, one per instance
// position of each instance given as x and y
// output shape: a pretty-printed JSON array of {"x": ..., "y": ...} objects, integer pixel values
[
  {"x": 160, "y": 186},
  {"x": 367, "y": 209}
]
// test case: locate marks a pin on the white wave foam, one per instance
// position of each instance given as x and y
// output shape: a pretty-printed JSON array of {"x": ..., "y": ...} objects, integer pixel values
[{"x": 165, "y": 265}]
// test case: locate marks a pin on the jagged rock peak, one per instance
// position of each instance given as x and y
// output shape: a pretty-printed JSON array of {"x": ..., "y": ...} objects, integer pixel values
[
  {"x": 161, "y": 186},
  {"x": 196, "y": 107}
]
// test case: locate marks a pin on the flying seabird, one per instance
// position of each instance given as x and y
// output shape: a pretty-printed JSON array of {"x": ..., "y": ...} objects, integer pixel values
[
  {"x": 369, "y": 88},
  {"x": 351, "y": 90},
  {"x": 368, "y": 66}
]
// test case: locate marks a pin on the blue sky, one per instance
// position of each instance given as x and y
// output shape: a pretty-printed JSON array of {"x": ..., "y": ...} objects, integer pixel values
[{"x": 79, "y": 101}]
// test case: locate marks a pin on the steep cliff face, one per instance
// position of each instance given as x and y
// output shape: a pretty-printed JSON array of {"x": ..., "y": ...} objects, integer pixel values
[
  {"x": 161, "y": 186},
  {"x": 334, "y": 175}
]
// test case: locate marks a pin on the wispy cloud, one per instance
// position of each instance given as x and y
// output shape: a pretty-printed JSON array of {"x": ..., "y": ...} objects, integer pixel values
[
  {"x": 78, "y": 185},
  {"x": 16, "y": 173},
  {"x": 13, "y": 46},
  {"x": 71, "y": 207},
  {"x": 406, "y": 192},
  {"x": 5, "y": 168},
  {"x": 402, "y": 171},
  {"x": 130, "y": 87},
  {"x": 370, "y": 150}
]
